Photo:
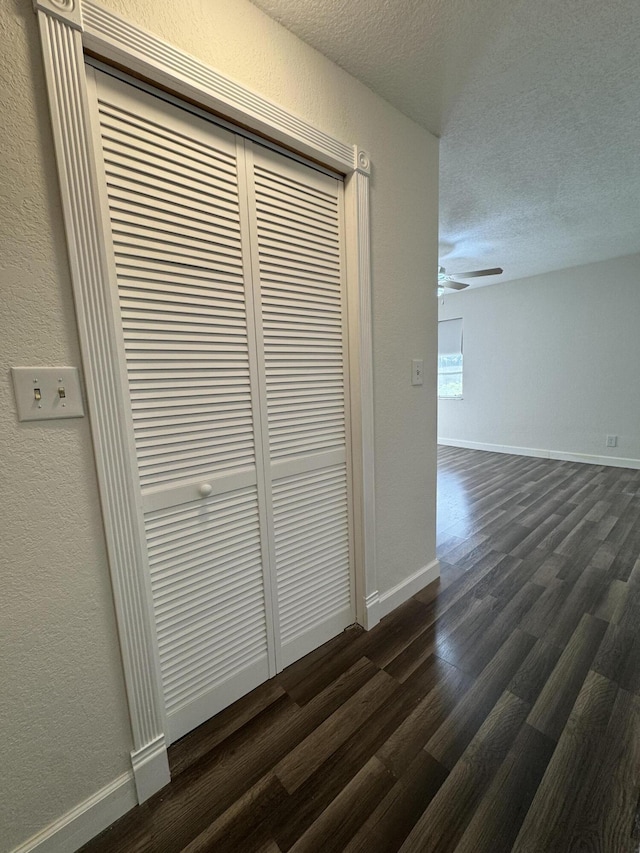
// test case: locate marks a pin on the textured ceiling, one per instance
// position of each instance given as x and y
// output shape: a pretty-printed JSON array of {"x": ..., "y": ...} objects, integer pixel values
[{"x": 537, "y": 105}]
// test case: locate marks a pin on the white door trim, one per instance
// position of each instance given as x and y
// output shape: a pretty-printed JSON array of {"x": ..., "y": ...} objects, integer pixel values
[{"x": 67, "y": 29}]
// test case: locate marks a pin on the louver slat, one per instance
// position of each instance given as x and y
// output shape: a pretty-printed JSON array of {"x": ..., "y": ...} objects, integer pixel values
[
  {"x": 312, "y": 552},
  {"x": 305, "y": 340},
  {"x": 162, "y": 324}
]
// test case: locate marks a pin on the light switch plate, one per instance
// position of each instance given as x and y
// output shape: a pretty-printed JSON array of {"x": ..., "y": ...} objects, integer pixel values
[
  {"x": 43, "y": 393},
  {"x": 417, "y": 371}
]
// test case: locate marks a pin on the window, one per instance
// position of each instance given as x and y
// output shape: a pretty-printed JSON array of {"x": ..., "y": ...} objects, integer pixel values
[{"x": 450, "y": 359}]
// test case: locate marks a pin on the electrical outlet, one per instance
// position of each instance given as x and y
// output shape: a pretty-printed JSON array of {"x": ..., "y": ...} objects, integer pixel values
[{"x": 612, "y": 441}]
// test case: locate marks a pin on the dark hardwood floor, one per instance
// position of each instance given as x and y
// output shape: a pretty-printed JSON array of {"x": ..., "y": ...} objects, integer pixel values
[{"x": 497, "y": 710}]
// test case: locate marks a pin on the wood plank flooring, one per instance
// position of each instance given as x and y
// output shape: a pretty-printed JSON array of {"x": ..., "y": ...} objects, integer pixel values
[{"x": 497, "y": 710}]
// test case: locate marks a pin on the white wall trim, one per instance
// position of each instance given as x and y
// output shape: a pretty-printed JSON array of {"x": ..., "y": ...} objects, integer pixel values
[
  {"x": 361, "y": 383},
  {"x": 372, "y": 612},
  {"x": 403, "y": 591},
  {"x": 151, "y": 768},
  {"x": 117, "y": 40},
  {"x": 90, "y": 274},
  {"x": 86, "y": 820},
  {"x": 67, "y": 29},
  {"x": 562, "y": 455}
]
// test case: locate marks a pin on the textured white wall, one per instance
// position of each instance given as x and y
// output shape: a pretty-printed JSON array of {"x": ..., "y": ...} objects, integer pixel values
[
  {"x": 63, "y": 718},
  {"x": 65, "y": 732},
  {"x": 551, "y": 362}
]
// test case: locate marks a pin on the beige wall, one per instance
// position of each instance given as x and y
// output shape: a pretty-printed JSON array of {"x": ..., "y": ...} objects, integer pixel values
[
  {"x": 551, "y": 362},
  {"x": 63, "y": 719},
  {"x": 65, "y": 730}
]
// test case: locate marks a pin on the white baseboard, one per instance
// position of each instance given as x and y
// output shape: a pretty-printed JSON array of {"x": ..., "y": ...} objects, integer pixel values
[
  {"x": 565, "y": 456},
  {"x": 403, "y": 591},
  {"x": 151, "y": 768},
  {"x": 86, "y": 820}
]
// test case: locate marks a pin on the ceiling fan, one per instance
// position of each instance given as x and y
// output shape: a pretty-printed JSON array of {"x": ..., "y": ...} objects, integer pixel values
[{"x": 449, "y": 281}]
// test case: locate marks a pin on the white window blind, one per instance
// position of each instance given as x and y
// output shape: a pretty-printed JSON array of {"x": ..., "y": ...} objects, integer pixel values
[{"x": 450, "y": 359}]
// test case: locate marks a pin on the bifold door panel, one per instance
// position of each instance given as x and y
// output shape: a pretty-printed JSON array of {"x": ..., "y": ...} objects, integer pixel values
[
  {"x": 296, "y": 234},
  {"x": 228, "y": 263}
]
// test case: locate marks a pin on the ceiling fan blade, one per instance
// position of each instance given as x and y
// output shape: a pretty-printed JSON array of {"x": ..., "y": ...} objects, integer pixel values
[
  {"x": 455, "y": 285},
  {"x": 476, "y": 273}
]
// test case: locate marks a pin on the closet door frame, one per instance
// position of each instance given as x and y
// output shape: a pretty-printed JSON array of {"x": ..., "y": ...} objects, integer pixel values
[{"x": 68, "y": 30}]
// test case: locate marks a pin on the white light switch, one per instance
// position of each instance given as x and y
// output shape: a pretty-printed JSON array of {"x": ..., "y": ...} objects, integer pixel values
[
  {"x": 43, "y": 393},
  {"x": 417, "y": 371}
]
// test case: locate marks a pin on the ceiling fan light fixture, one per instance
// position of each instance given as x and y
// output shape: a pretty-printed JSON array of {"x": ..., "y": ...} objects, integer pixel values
[{"x": 451, "y": 281}]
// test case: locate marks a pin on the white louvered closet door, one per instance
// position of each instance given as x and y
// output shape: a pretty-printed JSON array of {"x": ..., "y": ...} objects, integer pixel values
[
  {"x": 177, "y": 206},
  {"x": 228, "y": 264},
  {"x": 298, "y": 267}
]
